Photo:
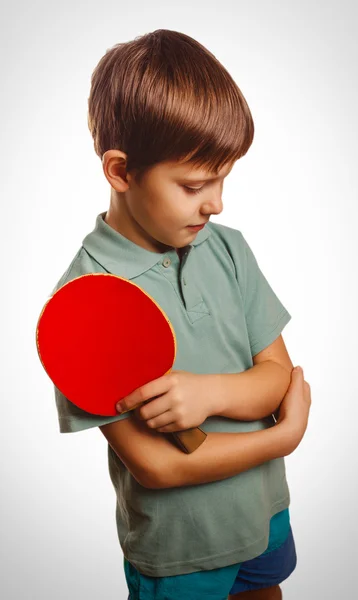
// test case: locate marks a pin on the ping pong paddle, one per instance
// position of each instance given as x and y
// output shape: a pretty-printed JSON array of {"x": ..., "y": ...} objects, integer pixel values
[{"x": 99, "y": 337}]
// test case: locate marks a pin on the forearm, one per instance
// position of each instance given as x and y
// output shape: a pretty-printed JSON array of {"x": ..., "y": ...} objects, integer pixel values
[
  {"x": 252, "y": 394},
  {"x": 224, "y": 455}
]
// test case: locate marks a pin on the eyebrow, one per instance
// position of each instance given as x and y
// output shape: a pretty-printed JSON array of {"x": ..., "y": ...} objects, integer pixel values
[{"x": 203, "y": 180}]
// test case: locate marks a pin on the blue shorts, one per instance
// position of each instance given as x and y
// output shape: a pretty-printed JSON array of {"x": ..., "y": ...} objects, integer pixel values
[{"x": 269, "y": 569}]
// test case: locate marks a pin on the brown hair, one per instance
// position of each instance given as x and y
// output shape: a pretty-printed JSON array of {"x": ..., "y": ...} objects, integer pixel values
[{"x": 165, "y": 97}]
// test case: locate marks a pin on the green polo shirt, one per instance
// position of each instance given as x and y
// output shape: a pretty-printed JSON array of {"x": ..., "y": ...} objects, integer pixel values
[{"x": 223, "y": 312}]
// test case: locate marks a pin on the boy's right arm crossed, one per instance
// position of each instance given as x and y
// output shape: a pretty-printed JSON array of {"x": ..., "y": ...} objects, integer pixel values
[{"x": 156, "y": 462}]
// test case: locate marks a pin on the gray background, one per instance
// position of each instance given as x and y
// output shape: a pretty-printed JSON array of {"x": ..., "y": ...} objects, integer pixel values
[{"x": 294, "y": 196}]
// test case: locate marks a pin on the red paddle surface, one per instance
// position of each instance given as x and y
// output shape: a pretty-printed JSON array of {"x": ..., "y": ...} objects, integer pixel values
[{"x": 100, "y": 337}]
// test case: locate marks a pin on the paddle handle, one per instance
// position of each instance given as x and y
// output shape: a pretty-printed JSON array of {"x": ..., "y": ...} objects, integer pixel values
[{"x": 189, "y": 439}]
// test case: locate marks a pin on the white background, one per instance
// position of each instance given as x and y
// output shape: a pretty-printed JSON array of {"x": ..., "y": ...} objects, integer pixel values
[{"x": 294, "y": 197}]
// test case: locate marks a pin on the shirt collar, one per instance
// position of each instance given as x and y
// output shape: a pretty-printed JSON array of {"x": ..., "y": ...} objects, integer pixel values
[{"x": 121, "y": 256}]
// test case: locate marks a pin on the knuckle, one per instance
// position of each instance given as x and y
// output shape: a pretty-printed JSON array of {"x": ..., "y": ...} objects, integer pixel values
[
  {"x": 142, "y": 395},
  {"x": 142, "y": 413},
  {"x": 177, "y": 401},
  {"x": 179, "y": 415},
  {"x": 180, "y": 421}
]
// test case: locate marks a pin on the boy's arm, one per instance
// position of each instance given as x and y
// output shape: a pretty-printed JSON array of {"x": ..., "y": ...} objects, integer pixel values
[
  {"x": 258, "y": 391},
  {"x": 156, "y": 463},
  {"x": 224, "y": 455}
]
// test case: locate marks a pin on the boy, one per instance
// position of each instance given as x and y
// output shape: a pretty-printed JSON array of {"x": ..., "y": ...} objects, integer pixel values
[{"x": 168, "y": 123}]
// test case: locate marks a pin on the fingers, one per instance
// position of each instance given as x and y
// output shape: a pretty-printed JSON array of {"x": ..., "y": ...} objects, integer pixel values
[
  {"x": 297, "y": 374},
  {"x": 307, "y": 392}
]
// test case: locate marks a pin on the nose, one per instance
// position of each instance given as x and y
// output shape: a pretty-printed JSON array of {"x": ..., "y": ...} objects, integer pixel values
[{"x": 214, "y": 206}]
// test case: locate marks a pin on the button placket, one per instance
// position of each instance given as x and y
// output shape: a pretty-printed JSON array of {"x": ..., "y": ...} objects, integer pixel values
[
  {"x": 182, "y": 263},
  {"x": 190, "y": 294},
  {"x": 177, "y": 274}
]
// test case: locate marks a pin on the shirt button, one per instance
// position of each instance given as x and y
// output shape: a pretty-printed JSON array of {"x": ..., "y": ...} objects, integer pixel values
[
  {"x": 166, "y": 262},
  {"x": 184, "y": 281}
]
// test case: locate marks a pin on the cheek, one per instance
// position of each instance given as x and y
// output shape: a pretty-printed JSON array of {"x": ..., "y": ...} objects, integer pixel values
[
  {"x": 173, "y": 207},
  {"x": 169, "y": 205},
  {"x": 181, "y": 211}
]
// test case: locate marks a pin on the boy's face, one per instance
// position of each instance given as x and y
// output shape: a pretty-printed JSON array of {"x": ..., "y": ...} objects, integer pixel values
[{"x": 156, "y": 213}]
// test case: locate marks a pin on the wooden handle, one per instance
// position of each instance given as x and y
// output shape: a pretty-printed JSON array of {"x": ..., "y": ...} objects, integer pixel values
[{"x": 189, "y": 439}]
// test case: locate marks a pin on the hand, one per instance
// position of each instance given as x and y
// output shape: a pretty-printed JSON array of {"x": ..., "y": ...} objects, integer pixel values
[
  {"x": 295, "y": 407},
  {"x": 183, "y": 400}
]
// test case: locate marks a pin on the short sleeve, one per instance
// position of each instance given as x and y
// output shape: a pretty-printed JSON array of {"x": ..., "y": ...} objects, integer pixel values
[
  {"x": 71, "y": 418},
  {"x": 265, "y": 314}
]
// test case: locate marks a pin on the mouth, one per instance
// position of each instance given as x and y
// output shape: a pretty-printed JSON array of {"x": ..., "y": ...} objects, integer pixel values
[{"x": 199, "y": 225}]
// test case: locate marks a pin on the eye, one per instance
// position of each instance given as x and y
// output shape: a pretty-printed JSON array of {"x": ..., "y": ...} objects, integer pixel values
[{"x": 193, "y": 190}]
